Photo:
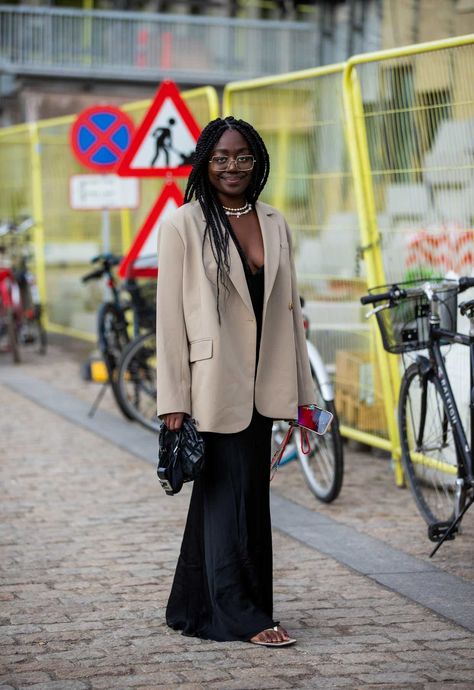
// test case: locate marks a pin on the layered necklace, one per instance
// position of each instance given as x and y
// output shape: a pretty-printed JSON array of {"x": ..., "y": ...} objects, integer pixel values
[{"x": 237, "y": 212}]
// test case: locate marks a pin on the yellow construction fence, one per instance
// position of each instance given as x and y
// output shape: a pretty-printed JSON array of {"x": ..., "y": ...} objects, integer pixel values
[{"x": 373, "y": 165}]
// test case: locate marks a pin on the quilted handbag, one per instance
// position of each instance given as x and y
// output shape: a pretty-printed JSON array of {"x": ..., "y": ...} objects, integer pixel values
[{"x": 180, "y": 456}]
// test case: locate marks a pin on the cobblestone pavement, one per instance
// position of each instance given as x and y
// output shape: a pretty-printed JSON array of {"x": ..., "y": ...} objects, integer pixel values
[{"x": 89, "y": 545}]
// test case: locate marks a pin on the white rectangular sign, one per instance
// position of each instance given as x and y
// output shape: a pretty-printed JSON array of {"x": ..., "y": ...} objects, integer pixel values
[{"x": 99, "y": 192}]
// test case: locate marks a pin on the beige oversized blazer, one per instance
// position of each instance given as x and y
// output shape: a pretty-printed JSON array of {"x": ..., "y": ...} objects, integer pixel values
[{"x": 207, "y": 369}]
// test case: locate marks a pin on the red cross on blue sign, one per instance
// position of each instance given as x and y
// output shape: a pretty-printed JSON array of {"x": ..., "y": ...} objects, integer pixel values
[{"x": 100, "y": 137}]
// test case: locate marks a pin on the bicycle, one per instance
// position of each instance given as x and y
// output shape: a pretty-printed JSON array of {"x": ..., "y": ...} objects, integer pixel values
[
  {"x": 112, "y": 324},
  {"x": 21, "y": 312},
  {"x": 323, "y": 465},
  {"x": 137, "y": 380},
  {"x": 436, "y": 454}
]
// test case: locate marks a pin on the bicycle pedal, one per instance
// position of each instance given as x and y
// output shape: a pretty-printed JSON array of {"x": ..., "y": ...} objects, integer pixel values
[{"x": 438, "y": 530}]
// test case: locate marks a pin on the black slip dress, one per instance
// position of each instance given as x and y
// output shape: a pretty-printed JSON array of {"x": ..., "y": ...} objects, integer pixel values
[{"x": 223, "y": 584}]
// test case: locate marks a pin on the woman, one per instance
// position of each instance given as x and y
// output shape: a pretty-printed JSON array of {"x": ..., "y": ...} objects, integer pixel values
[{"x": 231, "y": 352}]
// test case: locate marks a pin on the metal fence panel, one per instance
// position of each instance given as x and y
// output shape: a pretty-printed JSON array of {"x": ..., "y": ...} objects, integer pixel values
[
  {"x": 15, "y": 171},
  {"x": 301, "y": 119},
  {"x": 411, "y": 116}
]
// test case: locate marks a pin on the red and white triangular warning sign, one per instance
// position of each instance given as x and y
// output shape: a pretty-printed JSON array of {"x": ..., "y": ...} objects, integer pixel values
[
  {"x": 165, "y": 141},
  {"x": 141, "y": 260}
]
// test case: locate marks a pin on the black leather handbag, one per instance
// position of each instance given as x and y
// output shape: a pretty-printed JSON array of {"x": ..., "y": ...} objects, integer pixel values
[{"x": 180, "y": 456}]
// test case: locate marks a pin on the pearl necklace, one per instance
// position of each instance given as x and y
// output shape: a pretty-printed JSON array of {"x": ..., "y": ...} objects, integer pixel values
[{"x": 237, "y": 212}]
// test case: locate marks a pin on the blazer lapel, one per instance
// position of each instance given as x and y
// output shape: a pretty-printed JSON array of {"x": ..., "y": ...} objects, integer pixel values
[
  {"x": 237, "y": 275},
  {"x": 271, "y": 245}
]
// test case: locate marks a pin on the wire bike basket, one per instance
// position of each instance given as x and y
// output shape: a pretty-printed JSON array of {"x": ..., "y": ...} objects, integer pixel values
[{"x": 404, "y": 324}]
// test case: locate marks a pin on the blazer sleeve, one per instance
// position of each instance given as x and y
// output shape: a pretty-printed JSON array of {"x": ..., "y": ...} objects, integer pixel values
[
  {"x": 306, "y": 389},
  {"x": 173, "y": 377}
]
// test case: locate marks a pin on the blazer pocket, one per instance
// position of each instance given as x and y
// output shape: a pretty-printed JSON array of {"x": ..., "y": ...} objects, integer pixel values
[
  {"x": 284, "y": 245},
  {"x": 200, "y": 349}
]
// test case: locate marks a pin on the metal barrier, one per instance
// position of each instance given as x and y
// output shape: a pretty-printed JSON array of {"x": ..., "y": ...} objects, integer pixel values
[
  {"x": 36, "y": 163},
  {"x": 374, "y": 172},
  {"x": 410, "y": 115},
  {"x": 301, "y": 118},
  {"x": 373, "y": 165},
  {"x": 150, "y": 47}
]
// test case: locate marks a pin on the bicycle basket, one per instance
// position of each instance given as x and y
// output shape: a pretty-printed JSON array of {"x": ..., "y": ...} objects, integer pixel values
[{"x": 404, "y": 325}]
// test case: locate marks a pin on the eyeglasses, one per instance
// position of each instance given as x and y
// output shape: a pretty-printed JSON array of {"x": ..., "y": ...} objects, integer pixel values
[{"x": 242, "y": 163}]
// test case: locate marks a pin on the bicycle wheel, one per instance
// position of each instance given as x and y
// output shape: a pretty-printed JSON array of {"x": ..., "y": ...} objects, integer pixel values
[
  {"x": 428, "y": 447},
  {"x": 113, "y": 339},
  {"x": 323, "y": 466},
  {"x": 12, "y": 333},
  {"x": 137, "y": 380},
  {"x": 32, "y": 331},
  {"x": 42, "y": 335}
]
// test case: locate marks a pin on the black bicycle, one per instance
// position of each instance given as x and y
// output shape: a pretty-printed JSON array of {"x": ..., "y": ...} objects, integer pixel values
[
  {"x": 436, "y": 453},
  {"x": 119, "y": 316}
]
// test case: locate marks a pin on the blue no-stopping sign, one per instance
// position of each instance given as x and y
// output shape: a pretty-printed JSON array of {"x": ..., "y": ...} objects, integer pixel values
[{"x": 100, "y": 137}]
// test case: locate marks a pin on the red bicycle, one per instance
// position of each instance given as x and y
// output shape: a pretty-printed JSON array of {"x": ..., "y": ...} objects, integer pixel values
[{"x": 20, "y": 308}]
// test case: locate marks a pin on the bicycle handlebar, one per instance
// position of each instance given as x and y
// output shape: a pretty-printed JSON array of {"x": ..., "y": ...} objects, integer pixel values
[
  {"x": 394, "y": 293},
  {"x": 93, "y": 275},
  {"x": 107, "y": 259},
  {"x": 13, "y": 228},
  {"x": 465, "y": 283}
]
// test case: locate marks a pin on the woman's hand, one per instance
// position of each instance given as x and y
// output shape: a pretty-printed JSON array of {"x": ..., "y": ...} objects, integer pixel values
[{"x": 173, "y": 420}]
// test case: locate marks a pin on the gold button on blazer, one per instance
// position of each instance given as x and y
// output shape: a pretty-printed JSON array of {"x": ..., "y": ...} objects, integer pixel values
[{"x": 207, "y": 369}]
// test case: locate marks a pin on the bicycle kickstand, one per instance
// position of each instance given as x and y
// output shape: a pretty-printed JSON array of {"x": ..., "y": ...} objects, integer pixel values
[
  {"x": 97, "y": 400},
  {"x": 453, "y": 526}
]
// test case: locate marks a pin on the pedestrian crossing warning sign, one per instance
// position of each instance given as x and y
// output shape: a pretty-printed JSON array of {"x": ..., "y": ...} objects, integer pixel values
[
  {"x": 165, "y": 141},
  {"x": 141, "y": 260}
]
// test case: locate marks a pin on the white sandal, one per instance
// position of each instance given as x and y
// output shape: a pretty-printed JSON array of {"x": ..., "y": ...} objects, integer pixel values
[{"x": 284, "y": 643}]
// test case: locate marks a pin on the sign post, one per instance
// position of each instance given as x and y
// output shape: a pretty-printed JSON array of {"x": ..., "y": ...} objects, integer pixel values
[{"x": 99, "y": 139}]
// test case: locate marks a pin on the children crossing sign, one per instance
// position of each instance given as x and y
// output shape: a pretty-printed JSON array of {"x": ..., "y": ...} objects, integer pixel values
[{"x": 165, "y": 141}]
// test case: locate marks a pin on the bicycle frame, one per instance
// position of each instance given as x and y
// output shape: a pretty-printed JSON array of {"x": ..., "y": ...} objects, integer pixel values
[
  {"x": 321, "y": 372},
  {"x": 463, "y": 447},
  {"x": 10, "y": 297}
]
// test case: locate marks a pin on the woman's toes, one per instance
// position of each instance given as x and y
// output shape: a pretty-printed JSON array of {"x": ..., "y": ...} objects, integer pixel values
[
  {"x": 283, "y": 634},
  {"x": 272, "y": 635}
]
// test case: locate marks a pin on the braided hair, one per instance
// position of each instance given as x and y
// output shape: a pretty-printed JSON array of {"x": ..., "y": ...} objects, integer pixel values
[{"x": 218, "y": 228}]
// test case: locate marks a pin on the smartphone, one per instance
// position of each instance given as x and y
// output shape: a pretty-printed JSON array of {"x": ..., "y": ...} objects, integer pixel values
[{"x": 314, "y": 418}]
